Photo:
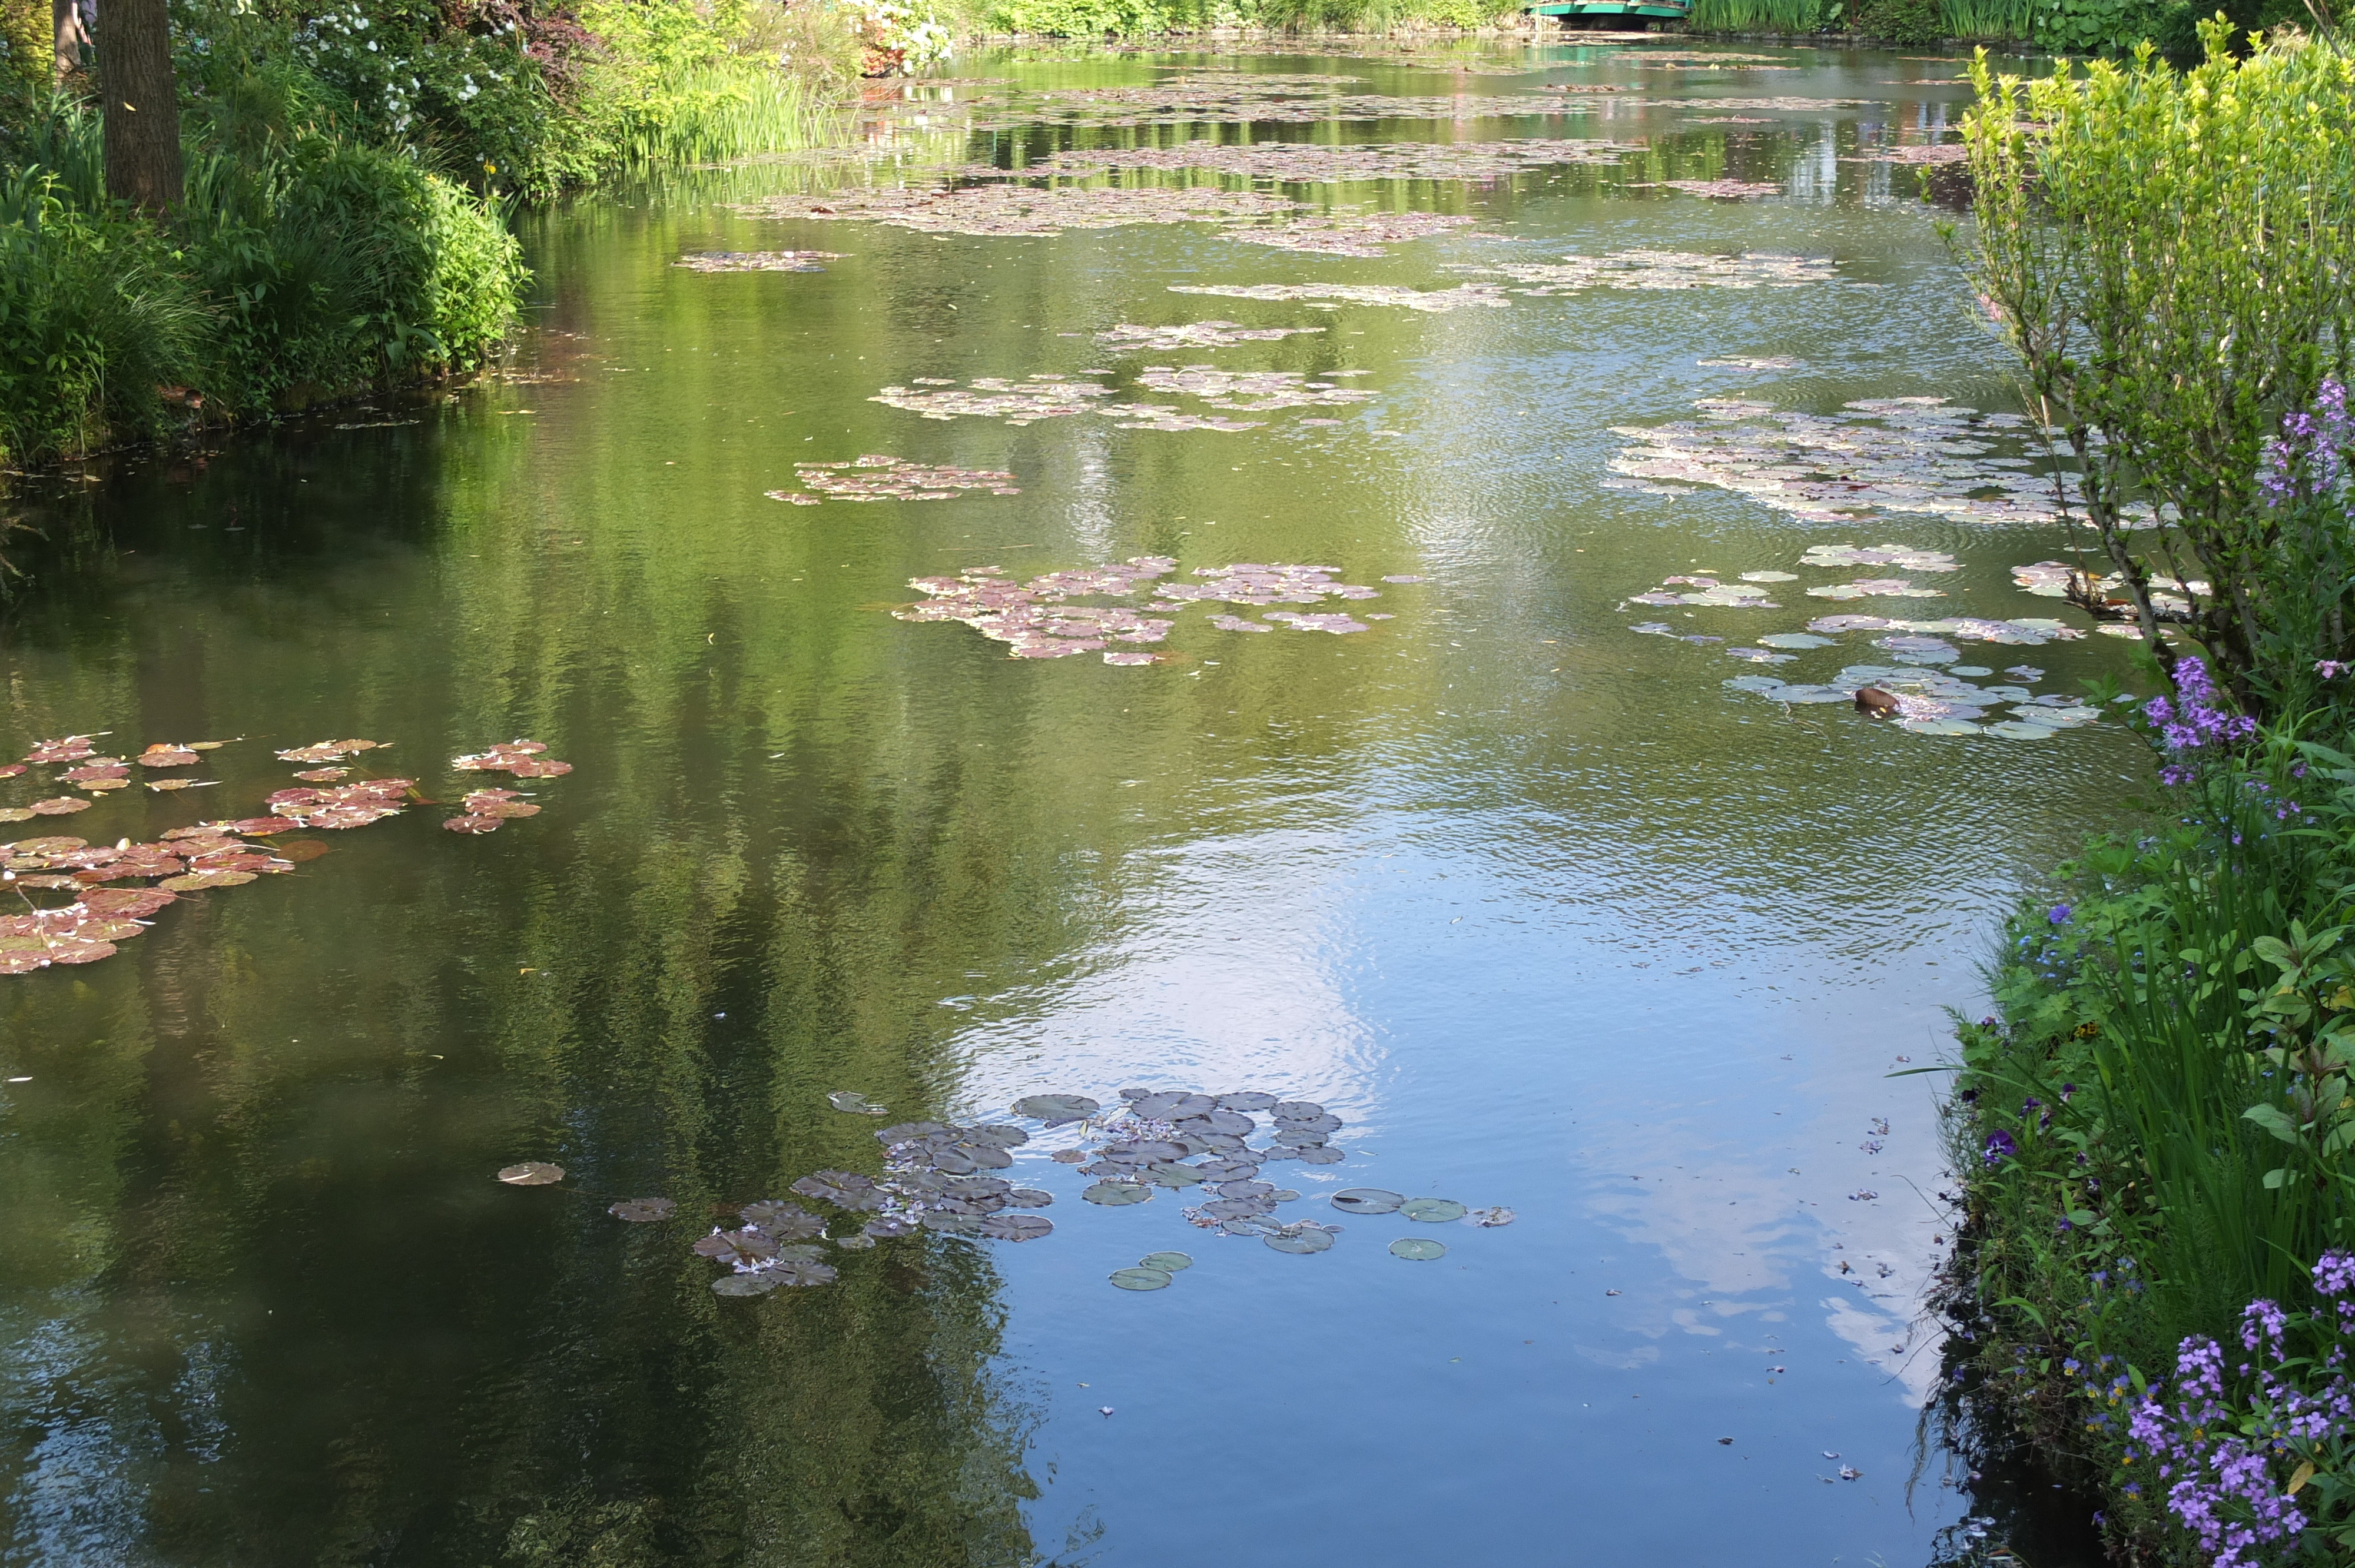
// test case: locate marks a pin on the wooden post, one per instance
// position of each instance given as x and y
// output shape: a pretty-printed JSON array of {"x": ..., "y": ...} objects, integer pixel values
[{"x": 142, "y": 104}]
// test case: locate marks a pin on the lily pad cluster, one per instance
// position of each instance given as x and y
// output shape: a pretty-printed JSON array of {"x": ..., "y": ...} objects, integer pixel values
[
  {"x": 996, "y": 208},
  {"x": 1878, "y": 455},
  {"x": 1364, "y": 235},
  {"x": 878, "y": 478},
  {"x": 1661, "y": 270},
  {"x": 1058, "y": 396},
  {"x": 1430, "y": 301},
  {"x": 1721, "y": 190},
  {"x": 75, "y": 761},
  {"x": 1043, "y": 618},
  {"x": 1935, "y": 701},
  {"x": 523, "y": 759},
  {"x": 1319, "y": 163},
  {"x": 1179, "y": 102},
  {"x": 96, "y": 917},
  {"x": 756, "y": 260},
  {"x": 1192, "y": 334},
  {"x": 1252, "y": 391}
]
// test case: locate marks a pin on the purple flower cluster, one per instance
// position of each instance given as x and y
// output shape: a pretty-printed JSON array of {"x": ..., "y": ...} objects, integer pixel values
[
  {"x": 2219, "y": 1450},
  {"x": 2309, "y": 456},
  {"x": 2194, "y": 723}
]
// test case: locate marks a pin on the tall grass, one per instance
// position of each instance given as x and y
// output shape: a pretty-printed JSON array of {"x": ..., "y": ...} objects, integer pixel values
[
  {"x": 1757, "y": 16},
  {"x": 708, "y": 113},
  {"x": 1989, "y": 20}
]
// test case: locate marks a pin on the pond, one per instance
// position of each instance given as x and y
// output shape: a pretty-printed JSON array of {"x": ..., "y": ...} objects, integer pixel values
[{"x": 1538, "y": 910}]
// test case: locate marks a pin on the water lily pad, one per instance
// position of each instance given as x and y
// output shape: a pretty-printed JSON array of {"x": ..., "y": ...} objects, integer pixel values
[
  {"x": 1117, "y": 1194},
  {"x": 1420, "y": 1249},
  {"x": 1028, "y": 1198},
  {"x": 1016, "y": 1227},
  {"x": 789, "y": 1221},
  {"x": 532, "y": 1173},
  {"x": 995, "y": 1134},
  {"x": 1141, "y": 1278},
  {"x": 1249, "y": 1100},
  {"x": 1491, "y": 1218},
  {"x": 1938, "y": 726},
  {"x": 641, "y": 1211},
  {"x": 1794, "y": 640},
  {"x": 1170, "y": 1106},
  {"x": 757, "y": 1283},
  {"x": 908, "y": 1132},
  {"x": 1432, "y": 1211},
  {"x": 1306, "y": 1238},
  {"x": 1295, "y": 1110},
  {"x": 1166, "y": 1262},
  {"x": 1320, "y": 1154},
  {"x": 1170, "y": 1175},
  {"x": 798, "y": 1273},
  {"x": 843, "y": 1189},
  {"x": 1246, "y": 1189},
  {"x": 857, "y": 1241},
  {"x": 855, "y": 1104},
  {"x": 1056, "y": 1109},
  {"x": 2021, "y": 729},
  {"x": 744, "y": 1247},
  {"x": 1367, "y": 1201}
]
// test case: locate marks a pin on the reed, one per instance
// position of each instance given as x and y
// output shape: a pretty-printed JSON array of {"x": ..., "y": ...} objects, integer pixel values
[{"x": 1757, "y": 16}]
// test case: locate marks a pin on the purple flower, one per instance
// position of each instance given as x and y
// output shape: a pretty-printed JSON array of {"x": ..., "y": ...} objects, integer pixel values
[
  {"x": 2058, "y": 915},
  {"x": 1999, "y": 1147}
]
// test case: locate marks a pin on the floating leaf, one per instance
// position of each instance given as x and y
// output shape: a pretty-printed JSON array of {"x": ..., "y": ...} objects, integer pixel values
[
  {"x": 1432, "y": 1211},
  {"x": 1305, "y": 1238},
  {"x": 995, "y": 1135},
  {"x": 798, "y": 1272},
  {"x": 640, "y": 1210},
  {"x": 1367, "y": 1201},
  {"x": 1166, "y": 1262},
  {"x": 197, "y": 881},
  {"x": 1028, "y": 1198},
  {"x": 1320, "y": 1154},
  {"x": 855, "y": 1104},
  {"x": 787, "y": 1221},
  {"x": 1016, "y": 1227},
  {"x": 1141, "y": 1278},
  {"x": 1252, "y": 1099},
  {"x": 58, "y": 806},
  {"x": 1117, "y": 1194},
  {"x": 1056, "y": 1109},
  {"x": 757, "y": 1283},
  {"x": 843, "y": 1189},
  {"x": 532, "y": 1173},
  {"x": 1491, "y": 1218},
  {"x": 1420, "y": 1249}
]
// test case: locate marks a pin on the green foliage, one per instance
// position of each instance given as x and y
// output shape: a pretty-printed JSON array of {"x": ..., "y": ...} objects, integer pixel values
[
  {"x": 1902, "y": 23},
  {"x": 299, "y": 267},
  {"x": 2156, "y": 1127},
  {"x": 1085, "y": 18},
  {"x": 2172, "y": 255},
  {"x": 95, "y": 314},
  {"x": 1768, "y": 15},
  {"x": 1992, "y": 20}
]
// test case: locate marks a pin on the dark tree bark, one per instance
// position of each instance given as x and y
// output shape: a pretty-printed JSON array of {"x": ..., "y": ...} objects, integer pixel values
[
  {"x": 65, "y": 25},
  {"x": 143, "y": 106}
]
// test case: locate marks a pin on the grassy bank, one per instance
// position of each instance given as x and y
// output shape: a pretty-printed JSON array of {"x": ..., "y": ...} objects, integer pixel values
[
  {"x": 2154, "y": 1124},
  {"x": 347, "y": 174}
]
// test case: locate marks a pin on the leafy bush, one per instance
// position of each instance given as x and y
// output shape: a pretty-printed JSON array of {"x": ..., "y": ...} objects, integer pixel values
[
  {"x": 1903, "y": 23},
  {"x": 2172, "y": 258}
]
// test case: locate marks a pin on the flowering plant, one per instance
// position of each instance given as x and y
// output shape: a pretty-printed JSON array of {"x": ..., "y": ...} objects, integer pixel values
[{"x": 2255, "y": 1454}]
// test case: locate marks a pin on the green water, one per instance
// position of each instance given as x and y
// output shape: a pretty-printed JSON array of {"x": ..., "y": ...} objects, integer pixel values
[{"x": 1552, "y": 920}]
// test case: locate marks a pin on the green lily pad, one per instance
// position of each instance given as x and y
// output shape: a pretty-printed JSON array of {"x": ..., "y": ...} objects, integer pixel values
[
  {"x": 758, "y": 1283},
  {"x": 1057, "y": 1107},
  {"x": 1432, "y": 1211},
  {"x": 1171, "y": 1175},
  {"x": 855, "y": 1104},
  {"x": 1367, "y": 1201},
  {"x": 640, "y": 1210},
  {"x": 1939, "y": 727},
  {"x": 1321, "y": 1154},
  {"x": 1166, "y": 1262},
  {"x": 2019, "y": 729},
  {"x": 532, "y": 1173},
  {"x": 1015, "y": 1227},
  {"x": 1141, "y": 1278},
  {"x": 1419, "y": 1249},
  {"x": 1304, "y": 1240},
  {"x": 1117, "y": 1194}
]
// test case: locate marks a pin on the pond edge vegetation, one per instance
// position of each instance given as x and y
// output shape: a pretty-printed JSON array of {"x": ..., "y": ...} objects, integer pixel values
[{"x": 2152, "y": 1128}]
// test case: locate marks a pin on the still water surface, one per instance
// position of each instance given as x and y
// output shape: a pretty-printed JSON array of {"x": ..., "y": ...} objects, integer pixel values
[{"x": 1551, "y": 919}]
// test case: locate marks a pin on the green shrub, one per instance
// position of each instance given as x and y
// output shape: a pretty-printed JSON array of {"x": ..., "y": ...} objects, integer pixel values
[
  {"x": 95, "y": 314},
  {"x": 1903, "y": 23}
]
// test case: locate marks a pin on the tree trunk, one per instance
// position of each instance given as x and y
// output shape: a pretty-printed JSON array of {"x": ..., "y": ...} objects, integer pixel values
[
  {"x": 71, "y": 37},
  {"x": 142, "y": 105}
]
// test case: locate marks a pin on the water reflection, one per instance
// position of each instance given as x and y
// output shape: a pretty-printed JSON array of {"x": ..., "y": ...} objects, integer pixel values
[{"x": 1525, "y": 899}]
